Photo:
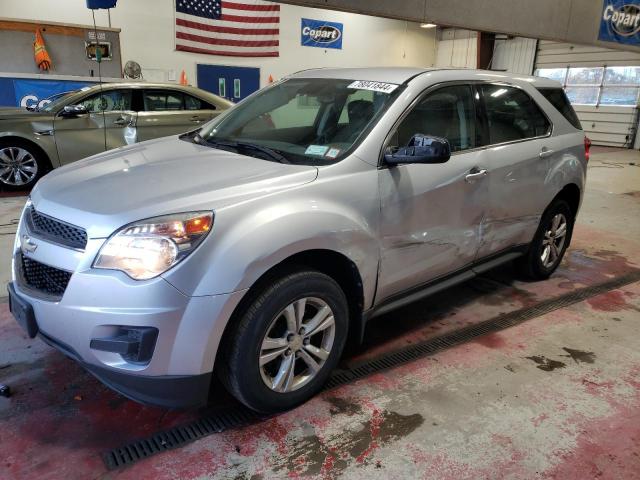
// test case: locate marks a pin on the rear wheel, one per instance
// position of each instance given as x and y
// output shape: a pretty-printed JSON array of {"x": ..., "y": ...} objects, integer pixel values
[
  {"x": 21, "y": 165},
  {"x": 550, "y": 242},
  {"x": 287, "y": 342}
]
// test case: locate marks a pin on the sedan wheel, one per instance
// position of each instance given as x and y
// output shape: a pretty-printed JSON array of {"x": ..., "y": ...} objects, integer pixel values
[
  {"x": 18, "y": 167},
  {"x": 297, "y": 345}
]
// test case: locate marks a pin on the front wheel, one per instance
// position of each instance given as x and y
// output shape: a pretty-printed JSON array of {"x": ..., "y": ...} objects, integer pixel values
[
  {"x": 286, "y": 344},
  {"x": 21, "y": 165},
  {"x": 549, "y": 243}
]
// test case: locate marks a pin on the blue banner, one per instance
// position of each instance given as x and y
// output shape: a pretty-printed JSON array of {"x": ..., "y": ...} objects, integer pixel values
[
  {"x": 620, "y": 22},
  {"x": 321, "y": 34},
  {"x": 36, "y": 93}
]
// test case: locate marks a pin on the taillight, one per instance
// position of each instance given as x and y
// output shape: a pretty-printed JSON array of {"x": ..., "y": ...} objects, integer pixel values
[{"x": 587, "y": 147}]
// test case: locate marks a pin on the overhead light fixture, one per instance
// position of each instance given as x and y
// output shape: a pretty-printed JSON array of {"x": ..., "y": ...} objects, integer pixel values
[{"x": 428, "y": 25}]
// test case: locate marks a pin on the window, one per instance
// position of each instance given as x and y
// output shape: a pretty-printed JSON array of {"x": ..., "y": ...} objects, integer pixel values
[
  {"x": 162, "y": 100},
  {"x": 193, "y": 103},
  {"x": 108, "y": 101},
  {"x": 621, "y": 86},
  {"x": 311, "y": 121},
  {"x": 449, "y": 113},
  {"x": 558, "y": 99},
  {"x": 583, "y": 85},
  {"x": 557, "y": 74},
  {"x": 616, "y": 86},
  {"x": 512, "y": 114}
]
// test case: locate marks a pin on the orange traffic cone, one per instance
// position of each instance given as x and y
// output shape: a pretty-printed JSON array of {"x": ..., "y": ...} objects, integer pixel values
[
  {"x": 43, "y": 61},
  {"x": 183, "y": 78},
  {"x": 271, "y": 79}
]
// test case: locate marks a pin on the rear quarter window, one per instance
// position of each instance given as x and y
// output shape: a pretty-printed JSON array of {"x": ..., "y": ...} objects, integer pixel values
[{"x": 558, "y": 99}]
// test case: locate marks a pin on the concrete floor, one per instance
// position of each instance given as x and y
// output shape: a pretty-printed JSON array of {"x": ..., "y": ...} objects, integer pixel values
[{"x": 555, "y": 397}]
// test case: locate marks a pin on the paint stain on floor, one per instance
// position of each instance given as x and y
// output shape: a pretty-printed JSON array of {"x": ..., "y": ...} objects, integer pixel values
[
  {"x": 329, "y": 455},
  {"x": 546, "y": 364},
  {"x": 578, "y": 356}
]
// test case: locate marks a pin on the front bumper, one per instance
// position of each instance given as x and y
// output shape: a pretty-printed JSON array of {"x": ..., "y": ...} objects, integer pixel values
[
  {"x": 168, "y": 391},
  {"x": 97, "y": 304}
]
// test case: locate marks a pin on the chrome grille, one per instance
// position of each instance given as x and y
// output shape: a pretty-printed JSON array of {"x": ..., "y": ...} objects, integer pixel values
[
  {"x": 43, "y": 278},
  {"x": 56, "y": 231}
]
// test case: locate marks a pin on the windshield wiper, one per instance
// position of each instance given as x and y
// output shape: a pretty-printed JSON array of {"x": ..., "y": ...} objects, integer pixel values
[{"x": 270, "y": 152}]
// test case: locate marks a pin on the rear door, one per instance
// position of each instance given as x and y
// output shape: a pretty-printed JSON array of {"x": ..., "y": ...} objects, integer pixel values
[
  {"x": 109, "y": 123},
  {"x": 519, "y": 152}
]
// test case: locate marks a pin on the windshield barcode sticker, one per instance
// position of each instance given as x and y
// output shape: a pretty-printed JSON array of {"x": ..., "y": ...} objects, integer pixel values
[{"x": 374, "y": 86}]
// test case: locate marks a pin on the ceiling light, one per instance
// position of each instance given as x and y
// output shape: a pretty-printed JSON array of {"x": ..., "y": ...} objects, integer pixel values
[{"x": 428, "y": 25}]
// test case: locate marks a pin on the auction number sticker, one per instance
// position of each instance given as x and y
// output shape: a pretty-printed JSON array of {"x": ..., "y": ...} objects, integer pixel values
[{"x": 374, "y": 86}]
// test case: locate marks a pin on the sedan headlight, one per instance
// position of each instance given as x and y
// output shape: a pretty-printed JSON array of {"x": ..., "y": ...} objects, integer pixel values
[{"x": 148, "y": 248}]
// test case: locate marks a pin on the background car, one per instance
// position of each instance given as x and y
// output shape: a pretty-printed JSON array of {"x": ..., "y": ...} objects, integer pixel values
[{"x": 89, "y": 121}]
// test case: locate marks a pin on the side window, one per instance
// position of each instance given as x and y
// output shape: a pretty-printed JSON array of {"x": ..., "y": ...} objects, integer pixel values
[
  {"x": 108, "y": 101},
  {"x": 558, "y": 99},
  {"x": 449, "y": 112},
  {"x": 162, "y": 100},
  {"x": 193, "y": 103},
  {"x": 512, "y": 114}
]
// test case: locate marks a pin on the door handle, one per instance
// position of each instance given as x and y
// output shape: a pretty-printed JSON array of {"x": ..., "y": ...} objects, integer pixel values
[
  {"x": 121, "y": 122},
  {"x": 475, "y": 174},
  {"x": 196, "y": 119},
  {"x": 545, "y": 152}
]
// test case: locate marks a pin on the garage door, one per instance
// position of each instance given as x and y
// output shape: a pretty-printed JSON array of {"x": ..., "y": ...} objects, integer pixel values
[{"x": 603, "y": 85}]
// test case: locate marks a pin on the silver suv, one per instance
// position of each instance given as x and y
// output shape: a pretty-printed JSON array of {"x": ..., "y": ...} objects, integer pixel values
[{"x": 252, "y": 248}]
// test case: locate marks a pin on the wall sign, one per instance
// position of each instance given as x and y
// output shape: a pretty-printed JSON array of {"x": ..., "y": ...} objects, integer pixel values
[
  {"x": 33, "y": 93},
  {"x": 620, "y": 22},
  {"x": 321, "y": 34}
]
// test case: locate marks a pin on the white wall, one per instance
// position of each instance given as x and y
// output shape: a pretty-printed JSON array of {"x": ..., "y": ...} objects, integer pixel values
[
  {"x": 457, "y": 48},
  {"x": 148, "y": 37},
  {"x": 514, "y": 55}
]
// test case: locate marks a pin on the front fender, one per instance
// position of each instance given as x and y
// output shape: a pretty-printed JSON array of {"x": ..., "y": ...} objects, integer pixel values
[{"x": 247, "y": 241}]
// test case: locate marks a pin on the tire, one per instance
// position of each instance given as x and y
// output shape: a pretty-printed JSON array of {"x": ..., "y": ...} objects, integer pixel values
[
  {"x": 31, "y": 164},
  {"x": 262, "y": 386},
  {"x": 533, "y": 264}
]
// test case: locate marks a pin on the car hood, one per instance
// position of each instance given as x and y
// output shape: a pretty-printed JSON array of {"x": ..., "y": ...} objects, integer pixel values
[{"x": 158, "y": 177}]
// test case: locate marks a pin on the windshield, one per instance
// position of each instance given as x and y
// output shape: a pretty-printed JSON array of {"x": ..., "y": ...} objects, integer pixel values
[
  {"x": 57, "y": 101},
  {"x": 306, "y": 121}
]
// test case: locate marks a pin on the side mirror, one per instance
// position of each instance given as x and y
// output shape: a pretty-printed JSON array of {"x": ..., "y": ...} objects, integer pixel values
[
  {"x": 421, "y": 149},
  {"x": 72, "y": 111}
]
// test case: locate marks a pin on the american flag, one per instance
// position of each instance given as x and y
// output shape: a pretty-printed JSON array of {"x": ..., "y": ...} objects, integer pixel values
[{"x": 243, "y": 28}]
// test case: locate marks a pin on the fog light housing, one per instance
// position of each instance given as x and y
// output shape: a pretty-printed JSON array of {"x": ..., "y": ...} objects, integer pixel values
[{"x": 134, "y": 344}]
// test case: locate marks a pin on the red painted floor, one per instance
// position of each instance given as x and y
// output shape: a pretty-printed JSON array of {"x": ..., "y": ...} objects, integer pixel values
[
  {"x": 434, "y": 418},
  {"x": 557, "y": 397}
]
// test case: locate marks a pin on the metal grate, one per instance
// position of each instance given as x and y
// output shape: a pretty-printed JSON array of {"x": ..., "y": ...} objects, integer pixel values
[
  {"x": 179, "y": 436},
  {"x": 240, "y": 416},
  {"x": 57, "y": 231},
  {"x": 44, "y": 278}
]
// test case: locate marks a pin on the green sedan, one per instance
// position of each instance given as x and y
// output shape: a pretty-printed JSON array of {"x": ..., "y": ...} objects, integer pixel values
[{"x": 98, "y": 118}]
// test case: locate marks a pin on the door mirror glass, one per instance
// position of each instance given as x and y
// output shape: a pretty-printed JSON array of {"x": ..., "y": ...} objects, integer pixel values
[
  {"x": 72, "y": 111},
  {"x": 421, "y": 149}
]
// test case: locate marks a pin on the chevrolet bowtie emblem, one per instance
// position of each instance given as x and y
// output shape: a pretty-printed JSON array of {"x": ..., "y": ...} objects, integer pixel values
[{"x": 27, "y": 244}]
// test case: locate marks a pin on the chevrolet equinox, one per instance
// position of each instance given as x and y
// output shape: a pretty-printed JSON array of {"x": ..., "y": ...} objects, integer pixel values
[{"x": 253, "y": 247}]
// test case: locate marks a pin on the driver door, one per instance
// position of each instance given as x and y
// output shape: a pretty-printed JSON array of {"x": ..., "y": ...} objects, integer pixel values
[
  {"x": 109, "y": 123},
  {"x": 431, "y": 214}
]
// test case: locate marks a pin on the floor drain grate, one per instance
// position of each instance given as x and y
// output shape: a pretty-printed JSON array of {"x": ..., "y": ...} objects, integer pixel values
[
  {"x": 220, "y": 421},
  {"x": 178, "y": 436}
]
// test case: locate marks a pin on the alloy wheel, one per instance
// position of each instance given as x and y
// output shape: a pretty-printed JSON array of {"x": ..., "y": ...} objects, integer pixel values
[
  {"x": 297, "y": 345},
  {"x": 17, "y": 166},
  {"x": 553, "y": 241}
]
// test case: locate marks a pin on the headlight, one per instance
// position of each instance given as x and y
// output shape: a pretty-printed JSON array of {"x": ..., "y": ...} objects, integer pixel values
[{"x": 146, "y": 249}]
